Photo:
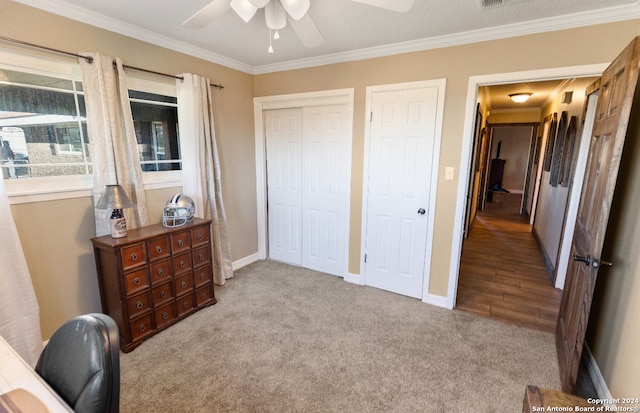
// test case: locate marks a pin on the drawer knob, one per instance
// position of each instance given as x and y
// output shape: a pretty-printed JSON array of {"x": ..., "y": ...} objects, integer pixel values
[
  {"x": 160, "y": 271},
  {"x": 201, "y": 257},
  {"x": 200, "y": 237},
  {"x": 139, "y": 305},
  {"x": 184, "y": 284},
  {"x": 136, "y": 281},
  {"x": 134, "y": 257},
  {"x": 202, "y": 277},
  {"x": 180, "y": 243},
  {"x": 158, "y": 249},
  {"x": 204, "y": 295},
  {"x": 141, "y": 328},
  {"x": 163, "y": 293},
  {"x": 181, "y": 264},
  {"x": 165, "y": 315},
  {"x": 185, "y": 304}
]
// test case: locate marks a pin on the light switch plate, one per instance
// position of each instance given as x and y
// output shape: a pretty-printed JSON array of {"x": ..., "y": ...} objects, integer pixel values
[{"x": 448, "y": 173}]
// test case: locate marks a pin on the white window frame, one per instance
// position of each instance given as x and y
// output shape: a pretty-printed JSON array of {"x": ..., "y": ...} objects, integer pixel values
[{"x": 76, "y": 186}]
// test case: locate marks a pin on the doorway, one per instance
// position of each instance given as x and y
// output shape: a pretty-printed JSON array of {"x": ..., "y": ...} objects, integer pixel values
[{"x": 472, "y": 98}]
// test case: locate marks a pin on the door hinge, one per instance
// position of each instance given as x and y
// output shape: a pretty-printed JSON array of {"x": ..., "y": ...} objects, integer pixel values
[
  {"x": 365, "y": 258},
  {"x": 370, "y": 117}
]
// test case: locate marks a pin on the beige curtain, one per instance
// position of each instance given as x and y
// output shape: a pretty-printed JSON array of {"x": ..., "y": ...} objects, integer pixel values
[
  {"x": 114, "y": 150},
  {"x": 19, "y": 310},
  {"x": 201, "y": 168}
]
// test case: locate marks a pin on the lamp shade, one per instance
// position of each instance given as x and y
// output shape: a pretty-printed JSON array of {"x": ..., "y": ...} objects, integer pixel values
[{"x": 113, "y": 197}]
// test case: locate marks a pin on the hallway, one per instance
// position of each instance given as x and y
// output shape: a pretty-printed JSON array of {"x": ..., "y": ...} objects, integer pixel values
[{"x": 502, "y": 275}]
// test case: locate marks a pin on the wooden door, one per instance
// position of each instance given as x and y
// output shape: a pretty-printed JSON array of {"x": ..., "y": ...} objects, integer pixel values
[
  {"x": 403, "y": 128},
  {"x": 607, "y": 140}
]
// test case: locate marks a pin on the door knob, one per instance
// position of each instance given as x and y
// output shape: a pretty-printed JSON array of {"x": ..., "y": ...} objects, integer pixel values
[
  {"x": 594, "y": 263},
  {"x": 586, "y": 260},
  {"x": 421, "y": 211}
]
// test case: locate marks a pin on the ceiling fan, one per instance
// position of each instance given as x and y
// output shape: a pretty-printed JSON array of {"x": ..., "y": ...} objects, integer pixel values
[{"x": 279, "y": 12}]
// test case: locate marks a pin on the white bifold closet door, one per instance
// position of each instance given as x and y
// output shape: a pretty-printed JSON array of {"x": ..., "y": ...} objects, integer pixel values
[{"x": 308, "y": 161}]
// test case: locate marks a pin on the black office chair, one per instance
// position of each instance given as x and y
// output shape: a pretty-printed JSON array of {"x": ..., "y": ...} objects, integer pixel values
[{"x": 81, "y": 363}]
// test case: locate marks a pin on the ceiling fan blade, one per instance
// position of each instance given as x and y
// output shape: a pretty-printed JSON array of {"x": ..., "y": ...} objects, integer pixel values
[
  {"x": 205, "y": 15},
  {"x": 401, "y": 6},
  {"x": 307, "y": 31},
  {"x": 259, "y": 3},
  {"x": 244, "y": 9},
  {"x": 296, "y": 8}
]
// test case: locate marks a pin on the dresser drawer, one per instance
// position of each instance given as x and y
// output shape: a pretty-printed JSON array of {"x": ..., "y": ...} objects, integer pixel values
[
  {"x": 182, "y": 263},
  {"x": 184, "y": 284},
  {"x": 184, "y": 304},
  {"x": 138, "y": 304},
  {"x": 136, "y": 281},
  {"x": 202, "y": 275},
  {"x": 162, "y": 294},
  {"x": 133, "y": 256},
  {"x": 159, "y": 248},
  {"x": 160, "y": 271},
  {"x": 165, "y": 315},
  {"x": 199, "y": 236},
  {"x": 201, "y": 256},
  {"x": 180, "y": 241},
  {"x": 141, "y": 327},
  {"x": 204, "y": 295}
]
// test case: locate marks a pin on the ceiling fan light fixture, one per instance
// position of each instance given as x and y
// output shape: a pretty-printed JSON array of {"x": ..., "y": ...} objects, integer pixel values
[
  {"x": 275, "y": 15},
  {"x": 296, "y": 8},
  {"x": 244, "y": 8},
  {"x": 259, "y": 3},
  {"x": 520, "y": 97}
]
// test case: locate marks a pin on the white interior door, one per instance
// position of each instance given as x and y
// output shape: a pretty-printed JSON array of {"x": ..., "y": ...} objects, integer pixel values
[
  {"x": 326, "y": 160},
  {"x": 284, "y": 182},
  {"x": 308, "y": 162},
  {"x": 401, "y": 149}
]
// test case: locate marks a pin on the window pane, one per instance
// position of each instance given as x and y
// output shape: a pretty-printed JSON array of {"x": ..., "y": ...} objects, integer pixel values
[
  {"x": 156, "y": 123},
  {"x": 42, "y": 126}
]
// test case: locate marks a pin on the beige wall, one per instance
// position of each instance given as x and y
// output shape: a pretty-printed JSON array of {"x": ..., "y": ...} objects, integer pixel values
[
  {"x": 55, "y": 235},
  {"x": 456, "y": 64},
  {"x": 60, "y": 258}
]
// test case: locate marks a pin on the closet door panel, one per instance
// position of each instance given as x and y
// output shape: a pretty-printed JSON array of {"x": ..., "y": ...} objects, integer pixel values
[
  {"x": 325, "y": 188},
  {"x": 284, "y": 184}
]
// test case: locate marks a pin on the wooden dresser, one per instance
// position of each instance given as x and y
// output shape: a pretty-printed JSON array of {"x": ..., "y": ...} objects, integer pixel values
[{"x": 154, "y": 277}]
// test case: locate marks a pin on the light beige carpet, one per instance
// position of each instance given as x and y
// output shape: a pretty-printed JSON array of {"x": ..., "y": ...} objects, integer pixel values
[{"x": 287, "y": 339}]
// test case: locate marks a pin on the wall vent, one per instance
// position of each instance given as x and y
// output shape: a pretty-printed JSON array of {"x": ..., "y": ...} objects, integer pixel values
[{"x": 491, "y": 3}]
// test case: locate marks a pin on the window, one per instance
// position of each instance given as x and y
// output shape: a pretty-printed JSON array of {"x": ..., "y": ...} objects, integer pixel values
[
  {"x": 44, "y": 132},
  {"x": 42, "y": 126},
  {"x": 155, "y": 118}
]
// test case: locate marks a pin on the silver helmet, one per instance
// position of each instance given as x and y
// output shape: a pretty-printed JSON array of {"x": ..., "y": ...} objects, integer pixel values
[{"x": 178, "y": 211}]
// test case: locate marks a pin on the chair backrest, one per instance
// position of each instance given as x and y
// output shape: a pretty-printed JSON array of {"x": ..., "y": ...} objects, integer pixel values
[{"x": 81, "y": 363}]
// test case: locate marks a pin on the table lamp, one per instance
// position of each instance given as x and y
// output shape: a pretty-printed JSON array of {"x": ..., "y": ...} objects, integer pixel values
[{"x": 115, "y": 198}]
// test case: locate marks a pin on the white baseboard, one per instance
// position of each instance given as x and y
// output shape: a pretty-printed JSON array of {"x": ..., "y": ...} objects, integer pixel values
[
  {"x": 354, "y": 278},
  {"x": 437, "y": 300},
  {"x": 243, "y": 262},
  {"x": 595, "y": 375}
]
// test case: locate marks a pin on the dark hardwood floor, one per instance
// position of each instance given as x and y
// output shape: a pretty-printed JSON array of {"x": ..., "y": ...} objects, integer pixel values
[{"x": 502, "y": 274}]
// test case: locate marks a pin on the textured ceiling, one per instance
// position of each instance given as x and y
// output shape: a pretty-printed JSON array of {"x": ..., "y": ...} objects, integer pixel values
[{"x": 352, "y": 30}]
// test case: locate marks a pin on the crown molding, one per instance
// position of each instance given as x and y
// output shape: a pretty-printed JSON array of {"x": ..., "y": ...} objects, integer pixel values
[
  {"x": 589, "y": 18},
  {"x": 98, "y": 20}
]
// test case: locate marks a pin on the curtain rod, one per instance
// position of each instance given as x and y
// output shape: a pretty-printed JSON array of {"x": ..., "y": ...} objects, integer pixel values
[{"x": 90, "y": 59}]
